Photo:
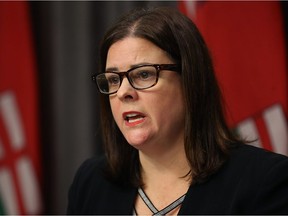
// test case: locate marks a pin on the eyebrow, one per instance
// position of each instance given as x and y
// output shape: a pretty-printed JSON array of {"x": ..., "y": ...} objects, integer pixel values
[
  {"x": 111, "y": 69},
  {"x": 115, "y": 69}
]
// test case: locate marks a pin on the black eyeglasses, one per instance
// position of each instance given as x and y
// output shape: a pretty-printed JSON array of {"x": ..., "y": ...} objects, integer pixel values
[{"x": 140, "y": 77}]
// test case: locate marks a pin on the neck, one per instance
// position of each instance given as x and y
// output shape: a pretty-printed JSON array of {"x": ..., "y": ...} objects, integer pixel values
[{"x": 169, "y": 166}]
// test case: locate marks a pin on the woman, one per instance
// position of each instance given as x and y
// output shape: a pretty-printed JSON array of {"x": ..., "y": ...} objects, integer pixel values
[{"x": 168, "y": 149}]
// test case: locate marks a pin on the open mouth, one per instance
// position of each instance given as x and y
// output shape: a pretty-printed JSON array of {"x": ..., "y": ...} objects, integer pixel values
[{"x": 132, "y": 119}]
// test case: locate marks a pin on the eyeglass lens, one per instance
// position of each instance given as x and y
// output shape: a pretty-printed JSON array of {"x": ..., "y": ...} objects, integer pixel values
[{"x": 140, "y": 78}]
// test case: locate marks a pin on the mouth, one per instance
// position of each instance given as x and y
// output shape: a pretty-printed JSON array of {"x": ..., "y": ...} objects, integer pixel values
[{"x": 133, "y": 118}]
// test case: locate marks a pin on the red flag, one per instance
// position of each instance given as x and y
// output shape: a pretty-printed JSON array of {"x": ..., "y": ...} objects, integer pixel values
[
  {"x": 19, "y": 135},
  {"x": 247, "y": 43}
]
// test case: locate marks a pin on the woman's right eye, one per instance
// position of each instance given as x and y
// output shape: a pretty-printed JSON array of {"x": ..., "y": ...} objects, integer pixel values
[{"x": 113, "y": 80}]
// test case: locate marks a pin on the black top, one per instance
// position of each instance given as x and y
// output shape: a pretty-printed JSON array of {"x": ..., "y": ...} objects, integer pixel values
[{"x": 252, "y": 181}]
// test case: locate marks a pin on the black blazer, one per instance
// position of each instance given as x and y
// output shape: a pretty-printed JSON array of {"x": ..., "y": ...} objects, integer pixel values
[{"x": 252, "y": 181}]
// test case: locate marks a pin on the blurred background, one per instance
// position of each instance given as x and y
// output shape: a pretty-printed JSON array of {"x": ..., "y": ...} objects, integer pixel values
[{"x": 49, "y": 109}]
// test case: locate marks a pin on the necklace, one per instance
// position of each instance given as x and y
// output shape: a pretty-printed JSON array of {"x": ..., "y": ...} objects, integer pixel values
[{"x": 155, "y": 211}]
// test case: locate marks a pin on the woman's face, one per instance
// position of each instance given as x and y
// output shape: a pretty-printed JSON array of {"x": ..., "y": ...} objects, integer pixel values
[{"x": 151, "y": 117}]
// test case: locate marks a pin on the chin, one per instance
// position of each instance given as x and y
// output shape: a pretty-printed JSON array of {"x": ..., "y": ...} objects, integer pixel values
[
  {"x": 136, "y": 137},
  {"x": 137, "y": 143}
]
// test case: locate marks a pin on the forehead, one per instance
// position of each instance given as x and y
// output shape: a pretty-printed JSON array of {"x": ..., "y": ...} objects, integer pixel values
[{"x": 134, "y": 51}]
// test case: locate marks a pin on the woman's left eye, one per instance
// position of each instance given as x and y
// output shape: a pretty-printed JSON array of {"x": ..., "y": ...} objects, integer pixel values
[{"x": 144, "y": 74}]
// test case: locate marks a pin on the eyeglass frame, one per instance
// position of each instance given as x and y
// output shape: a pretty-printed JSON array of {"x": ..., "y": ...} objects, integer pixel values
[{"x": 121, "y": 74}]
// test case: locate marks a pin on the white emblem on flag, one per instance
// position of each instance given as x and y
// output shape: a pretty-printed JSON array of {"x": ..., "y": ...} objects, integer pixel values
[
  {"x": 248, "y": 130},
  {"x": 7, "y": 191},
  {"x": 275, "y": 124},
  {"x": 191, "y": 8},
  {"x": 25, "y": 174},
  {"x": 277, "y": 128},
  {"x": 11, "y": 118},
  {"x": 28, "y": 185}
]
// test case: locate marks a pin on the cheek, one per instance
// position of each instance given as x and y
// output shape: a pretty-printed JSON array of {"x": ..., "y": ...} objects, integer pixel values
[{"x": 168, "y": 109}]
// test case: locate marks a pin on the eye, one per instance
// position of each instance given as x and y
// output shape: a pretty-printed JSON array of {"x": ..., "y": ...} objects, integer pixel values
[
  {"x": 144, "y": 74},
  {"x": 113, "y": 79}
]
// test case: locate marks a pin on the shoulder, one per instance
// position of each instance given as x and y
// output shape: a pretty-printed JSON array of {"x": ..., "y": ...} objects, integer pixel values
[
  {"x": 262, "y": 176},
  {"x": 251, "y": 181},
  {"x": 87, "y": 180},
  {"x": 89, "y": 169},
  {"x": 88, "y": 177},
  {"x": 92, "y": 192},
  {"x": 249, "y": 162},
  {"x": 244, "y": 155}
]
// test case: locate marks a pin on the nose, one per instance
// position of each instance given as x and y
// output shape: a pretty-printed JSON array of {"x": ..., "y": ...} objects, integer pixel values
[{"x": 126, "y": 91}]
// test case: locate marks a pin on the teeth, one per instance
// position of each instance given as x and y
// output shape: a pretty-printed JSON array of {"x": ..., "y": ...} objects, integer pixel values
[
  {"x": 134, "y": 120},
  {"x": 131, "y": 115}
]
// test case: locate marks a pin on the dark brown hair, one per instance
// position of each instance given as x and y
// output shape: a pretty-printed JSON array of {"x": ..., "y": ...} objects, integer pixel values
[{"x": 207, "y": 137}]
